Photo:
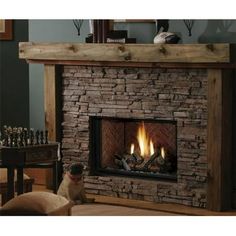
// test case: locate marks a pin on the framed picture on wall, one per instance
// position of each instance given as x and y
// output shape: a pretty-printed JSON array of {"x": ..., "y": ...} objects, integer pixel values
[{"x": 6, "y": 29}]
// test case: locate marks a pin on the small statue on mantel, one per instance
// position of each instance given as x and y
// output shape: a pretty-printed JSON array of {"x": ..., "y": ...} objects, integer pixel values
[{"x": 165, "y": 36}]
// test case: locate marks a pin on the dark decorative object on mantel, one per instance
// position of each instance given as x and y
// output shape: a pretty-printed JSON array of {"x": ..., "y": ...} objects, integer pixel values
[
  {"x": 189, "y": 25},
  {"x": 101, "y": 32},
  {"x": 119, "y": 36},
  {"x": 89, "y": 38},
  {"x": 99, "y": 29},
  {"x": 78, "y": 24},
  {"x": 162, "y": 24}
]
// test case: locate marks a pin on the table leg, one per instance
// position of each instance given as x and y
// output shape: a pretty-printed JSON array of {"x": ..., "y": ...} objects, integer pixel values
[
  {"x": 55, "y": 177},
  {"x": 20, "y": 180},
  {"x": 10, "y": 183}
]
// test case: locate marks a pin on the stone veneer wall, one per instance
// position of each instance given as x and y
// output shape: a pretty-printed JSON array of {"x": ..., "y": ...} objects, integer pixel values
[{"x": 148, "y": 93}]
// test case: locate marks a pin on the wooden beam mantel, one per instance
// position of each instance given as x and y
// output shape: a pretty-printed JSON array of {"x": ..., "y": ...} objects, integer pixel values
[{"x": 79, "y": 53}]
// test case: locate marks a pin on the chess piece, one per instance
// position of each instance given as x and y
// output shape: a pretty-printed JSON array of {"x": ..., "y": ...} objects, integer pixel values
[
  {"x": 15, "y": 139},
  {"x": 6, "y": 140},
  {"x": 31, "y": 137},
  {"x": 21, "y": 142},
  {"x": 46, "y": 136},
  {"x": 11, "y": 140},
  {"x": 25, "y": 132},
  {"x": 41, "y": 137},
  {"x": 37, "y": 137},
  {"x": 6, "y": 136}
]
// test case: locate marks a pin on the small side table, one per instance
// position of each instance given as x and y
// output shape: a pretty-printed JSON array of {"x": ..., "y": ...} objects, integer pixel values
[{"x": 24, "y": 157}]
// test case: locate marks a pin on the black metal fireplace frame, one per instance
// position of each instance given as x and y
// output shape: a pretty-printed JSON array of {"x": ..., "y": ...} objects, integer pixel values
[{"x": 95, "y": 148}]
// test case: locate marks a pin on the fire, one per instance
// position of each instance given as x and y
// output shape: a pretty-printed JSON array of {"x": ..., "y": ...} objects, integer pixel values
[
  {"x": 132, "y": 149},
  {"x": 151, "y": 148},
  {"x": 163, "y": 153},
  {"x": 145, "y": 144}
]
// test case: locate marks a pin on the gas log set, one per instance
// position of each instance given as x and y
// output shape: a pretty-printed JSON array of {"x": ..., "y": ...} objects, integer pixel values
[{"x": 145, "y": 157}]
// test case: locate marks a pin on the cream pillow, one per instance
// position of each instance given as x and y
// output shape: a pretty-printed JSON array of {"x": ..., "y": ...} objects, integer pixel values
[{"x": 38, "y": 203}]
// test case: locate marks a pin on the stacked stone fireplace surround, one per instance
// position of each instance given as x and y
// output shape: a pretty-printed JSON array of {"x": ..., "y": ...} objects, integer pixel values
[{"x": 140, "y": 93}]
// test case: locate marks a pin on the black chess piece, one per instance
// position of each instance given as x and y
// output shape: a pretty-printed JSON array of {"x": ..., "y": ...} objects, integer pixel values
[
  {"x": 11, "y": 140},
  {"x": 6, "y": 136},
  {"x": 15, "y": 139},
  {"x": 46, "y": 137},
  {"x": 41, "y": 137},
  {"x": 21, "y": 142},
  {"x": 6, "y": 140},
  {"x": 25, "y": 132},
  {"x": 31, "y": 137},
  {"x": 37, "y": 137}
]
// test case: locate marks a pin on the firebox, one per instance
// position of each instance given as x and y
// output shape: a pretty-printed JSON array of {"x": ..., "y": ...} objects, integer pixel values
[{"x": 132, "y": 147}]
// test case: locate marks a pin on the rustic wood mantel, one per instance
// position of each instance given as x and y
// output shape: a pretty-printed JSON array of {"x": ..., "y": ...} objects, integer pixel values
[
  {"x": 149, "y": 55},
  {"x": 216, "y": 58}
]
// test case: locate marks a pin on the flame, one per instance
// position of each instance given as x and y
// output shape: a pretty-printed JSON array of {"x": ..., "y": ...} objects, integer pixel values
[
  {"x": 145, "y": 145},
  {"x": 163, "y": 152},
  {"x": 132, "y": 149},
  {"x": 151, "y": 148}
]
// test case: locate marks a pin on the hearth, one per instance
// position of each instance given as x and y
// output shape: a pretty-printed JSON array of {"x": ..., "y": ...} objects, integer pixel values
[{"x": 133, "y": 147}]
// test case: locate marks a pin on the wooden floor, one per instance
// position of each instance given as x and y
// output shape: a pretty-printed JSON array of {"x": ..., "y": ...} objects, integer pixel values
[
  {"x": 97, "y": 209},
  {"x": 161, "y": 207}
]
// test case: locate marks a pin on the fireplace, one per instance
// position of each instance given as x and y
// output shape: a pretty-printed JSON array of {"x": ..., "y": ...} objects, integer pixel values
[
  {"x": 187, "y": 84},
  {"x": 132, "y": 147},
  {"x": 106, "y": 108}
]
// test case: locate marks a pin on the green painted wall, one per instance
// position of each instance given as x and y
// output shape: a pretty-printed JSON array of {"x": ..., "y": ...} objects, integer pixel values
[
  {"x": 14, "y": 83},
  {"x": 47, "y": 31}
]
